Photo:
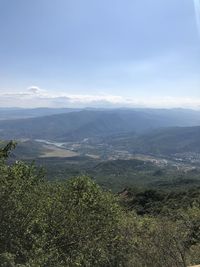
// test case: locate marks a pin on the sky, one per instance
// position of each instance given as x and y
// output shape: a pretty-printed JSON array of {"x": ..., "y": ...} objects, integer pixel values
[{"x": 108, "y": 53}]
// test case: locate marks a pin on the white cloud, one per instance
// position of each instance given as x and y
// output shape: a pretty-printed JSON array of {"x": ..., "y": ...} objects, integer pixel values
[
  {"x": 36, "y": 97},
  {"x": 35, "y": 90}
]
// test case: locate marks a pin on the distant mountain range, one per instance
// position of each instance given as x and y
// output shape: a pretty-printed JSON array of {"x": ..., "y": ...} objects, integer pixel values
[
  {"x": 21, "y": 113},
  {"x": 73, "y": 125}
]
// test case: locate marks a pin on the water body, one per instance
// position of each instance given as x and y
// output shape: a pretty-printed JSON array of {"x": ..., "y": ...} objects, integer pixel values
[{"x": 57, "y": 144}]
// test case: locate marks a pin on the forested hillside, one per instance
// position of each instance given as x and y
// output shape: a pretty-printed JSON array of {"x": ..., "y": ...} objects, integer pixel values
[
  {"x": 173, "y": 140},
  {"x": 165, "y": 141},
  {"x": 77, "y": 223}
]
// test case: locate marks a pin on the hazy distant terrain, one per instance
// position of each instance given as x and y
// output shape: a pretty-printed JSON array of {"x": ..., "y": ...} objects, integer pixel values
[
  {"x": 77, "y": 125},
  {"x": 143, "y": 147},
  {"x": 164, "y": 141},
  {"x": 21, "y": 113}
]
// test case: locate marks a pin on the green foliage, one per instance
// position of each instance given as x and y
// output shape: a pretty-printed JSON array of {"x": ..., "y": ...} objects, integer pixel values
[
  {"x": 58, "y": 224},
  {"x": 156, "y": 202},
  {"x": 5, "y": 150},
  {"x": 168, "y": 233},
  {"x": 159, "y": 243},
  {"x": 77, "y": 223}
]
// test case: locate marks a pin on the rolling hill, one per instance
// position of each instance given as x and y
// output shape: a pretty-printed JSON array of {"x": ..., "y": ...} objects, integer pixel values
[
  {"x": 91, "y": 123},
  {"x": 165, "y": 141},
  {"x": 172, "y": 140}
]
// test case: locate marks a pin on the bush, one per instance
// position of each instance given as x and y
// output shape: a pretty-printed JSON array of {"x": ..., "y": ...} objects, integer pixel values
[
  {"x": 76, "y": 223},
  {"x": 73, "y": 223}
]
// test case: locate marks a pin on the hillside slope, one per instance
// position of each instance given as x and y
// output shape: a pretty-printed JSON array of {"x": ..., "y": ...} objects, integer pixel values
[
  {"x": 165, "y": 141},
  {"x": 90, "y": 123}
]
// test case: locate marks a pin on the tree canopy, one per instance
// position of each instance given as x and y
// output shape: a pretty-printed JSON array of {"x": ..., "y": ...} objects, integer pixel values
[{"x": 77, "y": 223}]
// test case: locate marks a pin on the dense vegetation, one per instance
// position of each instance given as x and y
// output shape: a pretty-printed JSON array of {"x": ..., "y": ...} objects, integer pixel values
[
  {"x": 76, "y": 223},
  {"x": 110, "y": 174},
  {"x": 119, "y": 174}
]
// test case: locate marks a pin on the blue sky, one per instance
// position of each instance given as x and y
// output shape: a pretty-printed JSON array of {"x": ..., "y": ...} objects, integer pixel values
[{"x": 100, "y": 53}]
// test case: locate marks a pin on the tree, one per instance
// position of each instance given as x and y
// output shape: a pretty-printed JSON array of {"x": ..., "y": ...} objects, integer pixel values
[{"x": 73, "y": 223}]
